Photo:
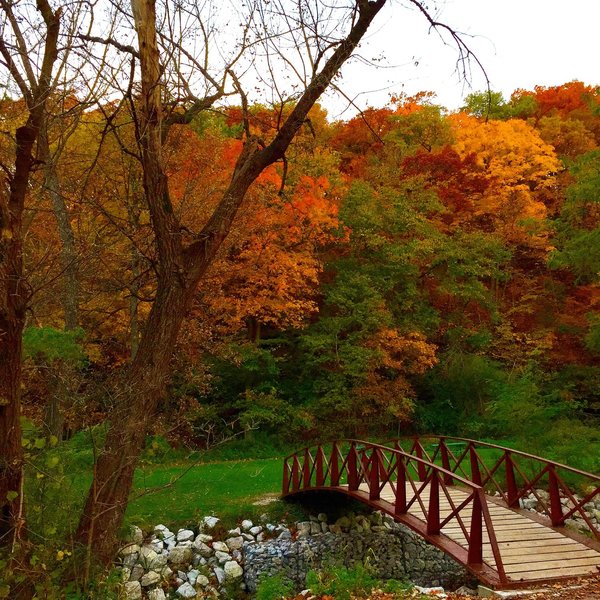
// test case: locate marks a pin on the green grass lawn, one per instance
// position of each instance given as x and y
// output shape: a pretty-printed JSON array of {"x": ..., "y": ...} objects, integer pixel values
[{"x": 230, "y": 490}]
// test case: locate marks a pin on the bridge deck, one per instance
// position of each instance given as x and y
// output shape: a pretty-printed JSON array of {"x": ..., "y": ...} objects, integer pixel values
[{"x": 530, "y": 551}]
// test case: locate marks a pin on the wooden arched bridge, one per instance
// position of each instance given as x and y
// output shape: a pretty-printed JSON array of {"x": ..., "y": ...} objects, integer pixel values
[{"x": 464, "y": 496}]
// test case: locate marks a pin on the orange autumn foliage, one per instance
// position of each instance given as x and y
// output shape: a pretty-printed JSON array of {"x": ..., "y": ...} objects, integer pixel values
[{"x": 517, "y": 165}]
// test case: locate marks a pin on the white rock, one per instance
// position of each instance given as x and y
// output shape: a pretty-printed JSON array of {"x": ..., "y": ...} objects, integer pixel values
[
  {"x": 247, "y": 524},
  {"x": 185, "y": 535},
  {"x": 136, "y": 573},
  {"x": 219, "y": 574},
  {"x": 260, "y": 537},
  {"x": 125, "y": 573},
  {"x": 235, "y": 543},
  {"x": 203, "y": 537},
  {"x": 180, "y": 555},
  {"x": 234, "y": 532},
  {"x": 182, "y": 576},
  {"x": 157, "y": 545},
  {"x": 270, "y": 527},
  {"x": 186, "y": 591},
  {"x": 166, "y": 572},
  {"x": 248, "y": 537},
  {"x": 202, "y": 549},
  {"x": 150, "y": 578},
  {"x": 202, "y": 580},
  {"x": 256, "y": 530},
  {"x": 129, "y": 549},
  {"x": 209, "y": 522},
  {"x": 133, "y": 590},
  {"x": 220, "y": 546},
  {"x": 233, "y": 570},
  {"x": 136, "y": 536},
  {"x": 222, "y": 557},
  {"x": 192, "y": 576},
  {"x": 156, "y": 594},
  {"x": 304, "y": 528},
  {"x": 148, "y": 557}
]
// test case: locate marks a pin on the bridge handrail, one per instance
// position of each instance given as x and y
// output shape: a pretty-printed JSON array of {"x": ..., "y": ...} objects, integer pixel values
[
  {"x": 555, "y": 464},
  {"x": 511, "y": 492},
  {"x": 378, "y": 470},
  {"x": 423, "y": 461}
]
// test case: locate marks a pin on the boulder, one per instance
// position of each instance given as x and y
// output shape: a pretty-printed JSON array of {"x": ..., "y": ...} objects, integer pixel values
[
  {"x": 233, "y": 570},
  {"x": 147, "y": 557},
  {"x": 220, "y": 546},
  {"x": 129, "y": 549},
  {"x": 133, "y": 590},
  {"x": 219, "y": 574},
  {"x": 247, "y": 524},
  {"x": 156, "y": 594},
  {"x": 209, "y": 522},
  {"x": 180, "y": 555},
  {"x": 185, "y": 590},
  {"x": 235, "y": 543},
  {"x": 150, "y": 578},
  {"x": 222, "y": 557},
  {"x": 202, "y": 549},
  {"x": 135, "y": 536},
  {"x": 185, "y": 535}
]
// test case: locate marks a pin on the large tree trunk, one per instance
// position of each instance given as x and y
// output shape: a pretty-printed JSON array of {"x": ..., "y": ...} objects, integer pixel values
[
  {"x": 14, "y": 294},
  {"x": 179, "y": 272},
  {"x": 13, "y": 302},
  {"x": 136, "y": 400}
]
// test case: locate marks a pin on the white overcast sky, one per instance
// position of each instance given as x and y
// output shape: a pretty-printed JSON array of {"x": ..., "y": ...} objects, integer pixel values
[{"x": 521, "y": 43}]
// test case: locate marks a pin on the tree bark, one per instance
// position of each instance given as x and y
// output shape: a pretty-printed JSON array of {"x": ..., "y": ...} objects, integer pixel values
[{"x": 14, "y": 294}]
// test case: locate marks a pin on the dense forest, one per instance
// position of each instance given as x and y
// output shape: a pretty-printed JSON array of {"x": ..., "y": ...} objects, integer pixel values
[
  {"x": 184, "y": 261},
  {"x": 408, "y": 269}
]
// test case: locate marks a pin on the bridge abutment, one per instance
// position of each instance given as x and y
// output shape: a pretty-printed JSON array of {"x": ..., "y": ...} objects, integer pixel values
[{"x": 389, "y": 549}]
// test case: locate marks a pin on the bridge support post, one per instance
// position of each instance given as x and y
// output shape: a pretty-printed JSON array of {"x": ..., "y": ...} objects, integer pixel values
[
  {"x": 421, "y": 470},
  {"x": 319, "y": 467},
  {"x": 400, "y": 506},
  {"x": 446, "y": 461},
  {"x": 475, "y": 555},
  {"x": 475, "y": 472},
  {"x": 512, "y": 491},
  {"x": 295, "y": 474},
  {"x": 556, "y": 514},
  {"x": 374, "y": 476},
  {"x": 286, "y": 478},
  {"x": 433, "y": 516},
  {"x": 334, "y": 465},
  {"x": 306, "y": 470},
  {"x": 351, "y": 466}
]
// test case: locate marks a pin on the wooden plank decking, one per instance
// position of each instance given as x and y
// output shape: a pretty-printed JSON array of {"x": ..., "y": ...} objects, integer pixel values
[{"x": 530, "y": 551}]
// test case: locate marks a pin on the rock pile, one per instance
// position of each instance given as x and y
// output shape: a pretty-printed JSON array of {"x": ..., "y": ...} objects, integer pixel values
[
  {"x": 535, "y": 502},
  {"x": 209, "y": 561},
  {"x": 189, "y": 563}
]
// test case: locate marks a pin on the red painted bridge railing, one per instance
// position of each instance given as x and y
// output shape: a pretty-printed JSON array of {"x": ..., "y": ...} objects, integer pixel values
[
  {"x": 513, "y": 475},
  {"x": 367, "y": 471}
]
